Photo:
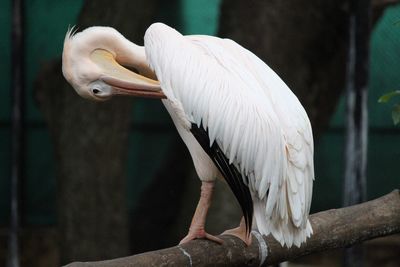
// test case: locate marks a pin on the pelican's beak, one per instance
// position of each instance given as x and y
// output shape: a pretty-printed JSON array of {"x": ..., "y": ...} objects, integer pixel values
[{"x": 124, "y": 81}]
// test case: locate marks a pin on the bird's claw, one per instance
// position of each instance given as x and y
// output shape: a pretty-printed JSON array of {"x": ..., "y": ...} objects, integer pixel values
[
  {"x": 240, "y": 233},
  {"x": 200, "y": 234}
]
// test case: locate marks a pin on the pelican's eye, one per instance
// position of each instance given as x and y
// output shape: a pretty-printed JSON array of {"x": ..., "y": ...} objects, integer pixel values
[
  {"x": 95, "y": 91},
  {"x": 100, "y": 89}
]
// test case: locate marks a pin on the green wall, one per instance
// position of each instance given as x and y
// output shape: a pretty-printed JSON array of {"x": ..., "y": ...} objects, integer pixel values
[{"x": 46, "y": 23}]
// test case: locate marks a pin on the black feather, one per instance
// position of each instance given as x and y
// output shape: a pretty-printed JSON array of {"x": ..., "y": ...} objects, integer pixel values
[{"x": 229, "y": 171}]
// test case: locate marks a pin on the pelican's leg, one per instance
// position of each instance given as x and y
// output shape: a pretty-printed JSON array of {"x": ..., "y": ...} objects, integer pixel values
[
  {"x": 196, "y": 229},
  {"x": 240, "y": 232}
]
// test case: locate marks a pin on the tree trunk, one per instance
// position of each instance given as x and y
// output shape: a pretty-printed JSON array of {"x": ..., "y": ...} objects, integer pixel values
[
  {"x": 90, "y": 141},
  {"x": 157, "y": 213}
]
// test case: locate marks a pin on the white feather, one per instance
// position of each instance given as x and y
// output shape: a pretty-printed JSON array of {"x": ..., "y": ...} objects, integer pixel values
[{"x": 255, "y": 118}]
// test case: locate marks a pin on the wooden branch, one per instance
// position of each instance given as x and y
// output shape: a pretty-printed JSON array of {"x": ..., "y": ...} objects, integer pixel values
[{"x": 335, "y": 228}]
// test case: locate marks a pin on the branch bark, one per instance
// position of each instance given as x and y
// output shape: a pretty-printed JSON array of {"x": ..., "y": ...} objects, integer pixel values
[{"x": 334, "y": 228}]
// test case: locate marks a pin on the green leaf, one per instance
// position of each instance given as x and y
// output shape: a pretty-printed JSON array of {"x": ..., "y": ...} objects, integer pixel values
[
  {"x": 386, "y": 97},
  {"x": 396, "y": 114}
]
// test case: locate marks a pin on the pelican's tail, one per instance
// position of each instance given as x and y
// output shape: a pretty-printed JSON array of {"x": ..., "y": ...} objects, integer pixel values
[{"x": 284, "y": 231}]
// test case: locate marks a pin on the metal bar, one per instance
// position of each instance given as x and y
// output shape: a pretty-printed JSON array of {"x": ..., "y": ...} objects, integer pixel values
[
  {"x": 355, "y": 180},
  {"x": 17, "y": 131},
  {"x": 357, "y": 113}
]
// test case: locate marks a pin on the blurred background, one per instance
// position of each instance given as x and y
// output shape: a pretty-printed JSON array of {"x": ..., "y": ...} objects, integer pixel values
[{"x": 105, "y": 180}]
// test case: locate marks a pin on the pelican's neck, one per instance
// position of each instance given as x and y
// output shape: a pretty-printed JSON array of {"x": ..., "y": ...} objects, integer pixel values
[{"x": 133, "y": 55}]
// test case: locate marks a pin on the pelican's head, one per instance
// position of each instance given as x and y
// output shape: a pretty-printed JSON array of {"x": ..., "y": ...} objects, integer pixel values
[{"x": 92, "y": 63}]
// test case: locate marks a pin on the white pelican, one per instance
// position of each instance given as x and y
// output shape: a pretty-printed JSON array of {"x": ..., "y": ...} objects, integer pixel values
[{"x": 238, "y": 119}]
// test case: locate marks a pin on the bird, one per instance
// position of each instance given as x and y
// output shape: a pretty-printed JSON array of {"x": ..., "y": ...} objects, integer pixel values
[{"x": 237, "y": 117}]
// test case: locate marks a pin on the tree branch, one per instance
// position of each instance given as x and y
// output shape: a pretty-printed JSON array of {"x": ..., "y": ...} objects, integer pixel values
[{"x": 334, "y": 228}]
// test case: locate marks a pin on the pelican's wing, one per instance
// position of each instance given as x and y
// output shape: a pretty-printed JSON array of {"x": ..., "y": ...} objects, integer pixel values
[
  {"x": 251, "y": 114},
  {"x": 295, "y": 188}
]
